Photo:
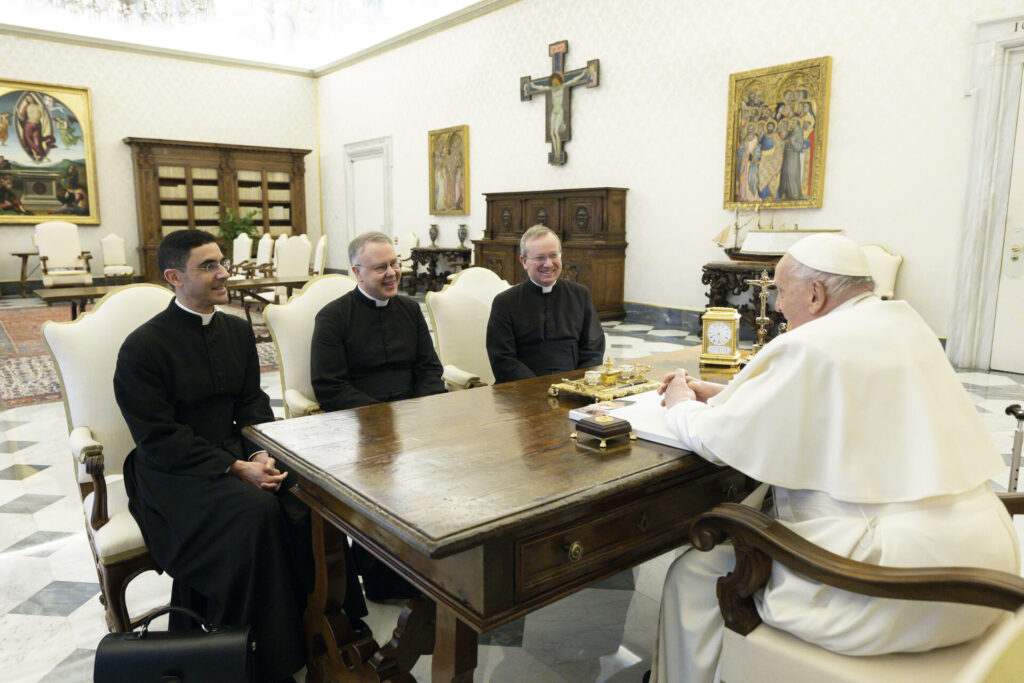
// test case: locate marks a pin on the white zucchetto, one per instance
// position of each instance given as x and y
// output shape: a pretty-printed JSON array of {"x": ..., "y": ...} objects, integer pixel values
[{"x": 833, "y": 254}]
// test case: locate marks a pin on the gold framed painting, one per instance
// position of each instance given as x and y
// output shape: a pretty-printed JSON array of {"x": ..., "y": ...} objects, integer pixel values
[
  {"x": 776, "y": 136},
  {"x": 47, "y": 154},
  {"x": 449, "y": 171}
]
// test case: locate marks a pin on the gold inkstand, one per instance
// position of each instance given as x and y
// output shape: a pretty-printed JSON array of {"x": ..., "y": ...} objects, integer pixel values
[{"x": 608, "y": 383}]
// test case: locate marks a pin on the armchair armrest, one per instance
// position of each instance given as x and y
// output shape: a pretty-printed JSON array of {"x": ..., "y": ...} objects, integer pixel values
[
  {"x": 299, "y": 404},
  {"x": 89, "y": 452},
  {"x": 758, "y": 540},
  {"x": 42, "y": 263},
  {"x": 86, "y": 256},
  {"x": 456, "y": 379}
]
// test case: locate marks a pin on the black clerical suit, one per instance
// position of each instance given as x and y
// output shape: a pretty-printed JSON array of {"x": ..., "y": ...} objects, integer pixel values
[
  {"x": 239, "y": 555},
  {"x": 363, "y": 353},
  {"x": 531, "y": 333}
]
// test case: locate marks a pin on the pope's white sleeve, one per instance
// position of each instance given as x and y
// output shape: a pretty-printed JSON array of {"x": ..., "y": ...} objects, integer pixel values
[{"x": 683, "y": 420}]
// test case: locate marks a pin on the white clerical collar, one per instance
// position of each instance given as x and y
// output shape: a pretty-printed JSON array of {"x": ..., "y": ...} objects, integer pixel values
[
  {"x": 207, "y": 317},
  {"x": 381, "y": 303},
  {"x": 546, "y": 290}
]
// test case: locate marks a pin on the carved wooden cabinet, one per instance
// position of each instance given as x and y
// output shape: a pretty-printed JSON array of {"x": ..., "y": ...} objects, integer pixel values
[
  {"x": 182, "y": 185},
  {"x": 591, "y": 223}
]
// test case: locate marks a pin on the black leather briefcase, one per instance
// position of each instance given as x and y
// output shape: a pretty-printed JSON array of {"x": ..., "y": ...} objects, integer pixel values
[{"x": 210, "y": 655}]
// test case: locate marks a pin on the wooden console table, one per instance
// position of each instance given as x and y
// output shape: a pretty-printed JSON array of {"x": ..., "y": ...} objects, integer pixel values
[
  {"x": 480, "y": 499},
  {"x": 728, "y": 278},
  {"x": 433, "y": 281}
]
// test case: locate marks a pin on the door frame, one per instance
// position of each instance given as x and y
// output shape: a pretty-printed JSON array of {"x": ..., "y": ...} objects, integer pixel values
[
  {"x": 997, "y": 67},
  {"x": 360, "y": 151}
]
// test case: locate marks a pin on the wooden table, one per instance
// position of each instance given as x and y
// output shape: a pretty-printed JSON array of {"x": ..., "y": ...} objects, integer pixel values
[
  {"x": 433, "y": 280},
  {"x": 480, "y": 499},
  {"x": 251, "y": 292},
  {"x": 78, "y": 296}
]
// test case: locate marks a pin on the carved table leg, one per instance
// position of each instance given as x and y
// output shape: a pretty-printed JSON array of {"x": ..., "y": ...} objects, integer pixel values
[
  {"x": 332, "y": 652},
  {"x": 455, "y": 649},
  {"x": 412, "y": 637}
]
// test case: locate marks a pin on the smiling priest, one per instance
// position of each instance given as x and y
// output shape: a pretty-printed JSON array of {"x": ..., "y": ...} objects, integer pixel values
[
  {"x": 543, "y": 325},
  {"x": 875, "y": 453}
]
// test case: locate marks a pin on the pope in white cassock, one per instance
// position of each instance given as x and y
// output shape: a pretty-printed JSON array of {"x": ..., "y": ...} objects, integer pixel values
[{"x": 875, "y": 453}]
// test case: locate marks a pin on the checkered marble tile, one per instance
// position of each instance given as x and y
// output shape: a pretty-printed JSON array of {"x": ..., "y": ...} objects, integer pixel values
[{"x": 52, "y": 619}]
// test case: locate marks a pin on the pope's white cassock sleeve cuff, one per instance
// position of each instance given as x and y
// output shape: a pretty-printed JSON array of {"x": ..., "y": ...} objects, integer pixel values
[{"x": 683, "y": 419}]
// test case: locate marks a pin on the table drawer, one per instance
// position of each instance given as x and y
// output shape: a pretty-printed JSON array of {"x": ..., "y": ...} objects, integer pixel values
[{"x": 551, "y": 558}]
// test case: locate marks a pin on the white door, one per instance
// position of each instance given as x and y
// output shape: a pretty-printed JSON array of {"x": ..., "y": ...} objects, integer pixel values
[
  {"x": 367, "y": 188},
  {"x": 1008, "y": 336}
]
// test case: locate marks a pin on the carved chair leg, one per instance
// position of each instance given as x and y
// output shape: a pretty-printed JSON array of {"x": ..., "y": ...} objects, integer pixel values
[{"x": 114, "y": 580}]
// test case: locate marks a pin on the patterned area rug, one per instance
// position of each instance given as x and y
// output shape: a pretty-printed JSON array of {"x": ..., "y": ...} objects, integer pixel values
[{"x": 27, "y": 374}]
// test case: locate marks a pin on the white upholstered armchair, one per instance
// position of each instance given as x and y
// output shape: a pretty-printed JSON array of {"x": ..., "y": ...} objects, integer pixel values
[
  {"x": 458, "y": 315},
  {"x": 754, "y": 652},
  {"x": 291, "y": 259},
  {"x": 884, "y": 267},
  {"x": 115, "y": 261},
  {"x": 85, "y": 354},
  {"x": 319, "y": 256},
  {"x": 291, "y": 327},
  {"x": 60, "y": 253}
]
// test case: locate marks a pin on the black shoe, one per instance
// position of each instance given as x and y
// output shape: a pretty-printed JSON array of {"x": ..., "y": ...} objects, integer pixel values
[{"x": 647, "y": 677}]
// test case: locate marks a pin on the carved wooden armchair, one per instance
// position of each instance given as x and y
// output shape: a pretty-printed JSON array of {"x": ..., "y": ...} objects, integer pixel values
[
  {"x": 291, "y": 327},
  {"x": 458, "y": 316},
  {"x": 753, "y": 651},
  {"x": 884, "y": 266},
  {"x": 115, "y": 261},
  {"x": 85, "y": 354},
  {"x": 61, "y": 256}
]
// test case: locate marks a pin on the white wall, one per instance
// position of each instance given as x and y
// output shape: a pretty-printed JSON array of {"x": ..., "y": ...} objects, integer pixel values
[
  {"x": 898, "y": 126},
  {"x": 136, "y": 95}
]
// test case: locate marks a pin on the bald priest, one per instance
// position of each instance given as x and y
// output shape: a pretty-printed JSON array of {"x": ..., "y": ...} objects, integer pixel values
[
  {"x": 875, "y": 453},
  {"x": 543, "y": 325}
]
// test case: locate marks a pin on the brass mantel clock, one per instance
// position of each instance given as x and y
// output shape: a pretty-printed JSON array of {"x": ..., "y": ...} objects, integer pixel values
[{"x": 721, "y": 332}]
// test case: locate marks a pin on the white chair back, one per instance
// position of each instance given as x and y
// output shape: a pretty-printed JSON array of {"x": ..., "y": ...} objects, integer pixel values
[
  {"x": 264, "y": 249},
  {"x": 459, "y": 315},
  {"x": 884, "y": 267},
  {"x": 319, "y": 256},
  {"x": 85, "y": 354},
  {"x": 241, "y": 249},
  {"x": 404, "y": 244},
  {"x": 113, "y": 250},
  {"x": 291, "y": 327}
]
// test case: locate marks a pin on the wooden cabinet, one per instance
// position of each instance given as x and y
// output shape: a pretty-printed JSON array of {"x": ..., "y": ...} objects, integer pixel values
[
  {"x": 591, "y": 223},
  {"x": 182, "y": 185}
]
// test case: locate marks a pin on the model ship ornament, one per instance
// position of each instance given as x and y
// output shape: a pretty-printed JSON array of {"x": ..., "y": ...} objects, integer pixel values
[
  {"x": 765, "y": 243},
  {"x": 608, "y": 383}
]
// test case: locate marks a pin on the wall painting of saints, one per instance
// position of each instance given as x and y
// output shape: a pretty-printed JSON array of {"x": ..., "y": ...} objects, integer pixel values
[
  {"x": 776, "y": 134},
  {"x": 448, "y": 150},
  {"x": 47, "y": 158}
]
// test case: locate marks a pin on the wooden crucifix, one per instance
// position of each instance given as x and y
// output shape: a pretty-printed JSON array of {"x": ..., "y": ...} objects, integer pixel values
[{"x": 557, "y": 89}]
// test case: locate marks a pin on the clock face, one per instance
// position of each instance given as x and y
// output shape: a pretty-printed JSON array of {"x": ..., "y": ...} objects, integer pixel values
[{"x": 719, "y": 333}]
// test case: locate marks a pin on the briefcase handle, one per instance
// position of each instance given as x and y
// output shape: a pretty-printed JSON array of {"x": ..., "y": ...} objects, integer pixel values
[{"x": 203, "y": 623}]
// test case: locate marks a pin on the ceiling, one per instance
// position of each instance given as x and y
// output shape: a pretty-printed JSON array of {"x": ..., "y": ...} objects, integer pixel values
[{"x": 304, "y": 34}]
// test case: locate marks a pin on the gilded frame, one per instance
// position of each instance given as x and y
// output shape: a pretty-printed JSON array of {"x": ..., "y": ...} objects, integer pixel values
[
  {"x": 49, "y": 172},
  {"x": 763, "y": 167},
  {"x": 448, "y": 161}
]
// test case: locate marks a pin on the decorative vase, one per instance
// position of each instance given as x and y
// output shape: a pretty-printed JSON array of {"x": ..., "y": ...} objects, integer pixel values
[
  {"x": 433, "y": 234},
  {"x": 463, "y": 233}
]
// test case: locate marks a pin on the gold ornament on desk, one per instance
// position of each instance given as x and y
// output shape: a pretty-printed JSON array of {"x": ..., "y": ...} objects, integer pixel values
[
  {"x": 608, "y": 383},
  {"x": 721, "y": 328},
  {"x": 762, "y": 320}
]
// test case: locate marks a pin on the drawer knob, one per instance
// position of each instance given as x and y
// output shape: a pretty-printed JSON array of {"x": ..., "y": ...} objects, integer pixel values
[
  {"x": 575, "y": 550},
  {"x": 644, "y": 524}
]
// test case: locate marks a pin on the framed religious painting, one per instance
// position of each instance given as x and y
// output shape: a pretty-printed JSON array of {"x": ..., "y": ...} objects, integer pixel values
[
  {"x": 776, "y": 136},
  {"x": 449, "y": 171},
  {"x": 47, "y": 155}
]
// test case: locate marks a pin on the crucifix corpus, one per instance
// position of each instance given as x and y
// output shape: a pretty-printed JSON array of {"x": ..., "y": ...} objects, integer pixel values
[{"x": 557, "y": 89}]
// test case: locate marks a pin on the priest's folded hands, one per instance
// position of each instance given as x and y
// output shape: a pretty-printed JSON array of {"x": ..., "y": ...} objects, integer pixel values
[{"x": 260, "y": 473}]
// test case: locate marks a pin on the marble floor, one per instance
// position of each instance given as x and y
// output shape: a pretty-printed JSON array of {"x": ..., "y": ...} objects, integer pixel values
[{"x": 51, "y": 619}]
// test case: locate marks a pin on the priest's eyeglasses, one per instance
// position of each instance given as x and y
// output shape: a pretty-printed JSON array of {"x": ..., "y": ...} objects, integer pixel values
[
  {"x": 541, "y": 258},
  {"x": 382, "y": 268},
  {"x": 212, "y": 266}
]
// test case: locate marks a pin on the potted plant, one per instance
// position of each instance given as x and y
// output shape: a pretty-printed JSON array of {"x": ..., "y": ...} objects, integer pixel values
[{"x": 231, "y": 224}]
